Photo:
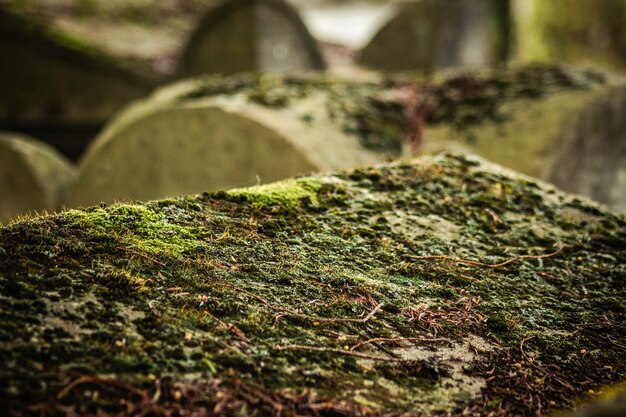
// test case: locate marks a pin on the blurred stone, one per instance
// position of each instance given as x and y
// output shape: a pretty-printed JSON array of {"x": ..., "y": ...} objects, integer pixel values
[
  {"x": 186, "y": 140},
  {"x": 562, "y": 125},
  {"x": 73, "y": 64},
  {"x": 433, "y": 34},
  {"x": 33, "y": 176},
  {"x": 265, "y": 36},
  {"x": 51, "y": 80}
]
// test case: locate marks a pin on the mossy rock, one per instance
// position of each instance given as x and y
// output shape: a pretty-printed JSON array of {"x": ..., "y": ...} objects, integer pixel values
[
  {"x": 441, "y": 286},
  {"x": 564, "y": 125},
  {"x": 188, "y": 138},
  {"x": 575, "y": 140},
  {"x": 590, "y": 32},
  {"x": 434, "y": 34},
  {"x": 33, "y": 176}
]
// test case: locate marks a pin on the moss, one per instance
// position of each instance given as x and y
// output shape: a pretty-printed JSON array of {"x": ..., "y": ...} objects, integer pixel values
[
  {"x": 317, "y": 294},
  {"x": 381, "y": 114},
  {"x": 288, "y": 194},
  {"x": 147, "y": 231}
]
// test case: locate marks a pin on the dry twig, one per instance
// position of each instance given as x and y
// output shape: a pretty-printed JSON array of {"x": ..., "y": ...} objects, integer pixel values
[{"x": 141, "y": 255}]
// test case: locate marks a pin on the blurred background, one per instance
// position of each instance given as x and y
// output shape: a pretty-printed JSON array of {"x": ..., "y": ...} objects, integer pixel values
[{"x": 105, "y": 100}]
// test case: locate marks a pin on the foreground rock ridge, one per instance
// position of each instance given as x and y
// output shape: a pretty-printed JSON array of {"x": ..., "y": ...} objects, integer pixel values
[{"x": 440, "y": 286}]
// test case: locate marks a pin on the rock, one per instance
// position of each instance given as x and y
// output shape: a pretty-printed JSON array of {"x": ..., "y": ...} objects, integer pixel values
[
  {"x": 562, "y": 125},
  {"x": 74, "y": 63},
  {"x": 432, "y": 34},
  {"x": 583, "y": 32},
  {"x": 33, "y": 176},
  {"x": 240, "y": 36},
  {"x": 187, "y": 138},
  {"x": 442, "y": 286},
  {"x": 573, "y": 139}
]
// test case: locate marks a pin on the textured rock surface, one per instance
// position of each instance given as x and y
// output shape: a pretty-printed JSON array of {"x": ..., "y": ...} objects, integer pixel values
[
  {"x": 33, "y": 176},
  {"x": 575, "y": 140},
  {"x": 444, "y": 286}
]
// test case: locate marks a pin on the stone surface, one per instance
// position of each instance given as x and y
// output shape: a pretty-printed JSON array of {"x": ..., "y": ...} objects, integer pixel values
[
  {"x": 33, "y": 176},
  {"x": 239, "y": 36},
  {"x": 585, "y": 32},
  {"x": 432, "y": 34},
  {"x": 183, "y": 141},
  {"x": 575, "y": 140},
  {"x": 441, "y": 286}
]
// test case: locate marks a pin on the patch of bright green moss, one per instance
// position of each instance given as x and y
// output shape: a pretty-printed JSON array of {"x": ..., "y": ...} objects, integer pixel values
[
  {"x": 289, "y": 194},
  {"x": 143, "y": 229}
]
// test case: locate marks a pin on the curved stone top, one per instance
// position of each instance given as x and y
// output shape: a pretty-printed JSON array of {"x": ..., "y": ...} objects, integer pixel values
[
  {"x": 148, "y": 35},
  {"x": 432, "y": 34},
  {"x": 441, "y": 286},
  {"x": 33, "y": 176},
  {"x": 216, "y": 132},
  {"x": 275, "y": 39},
  {"x": 186, "y": 139}
]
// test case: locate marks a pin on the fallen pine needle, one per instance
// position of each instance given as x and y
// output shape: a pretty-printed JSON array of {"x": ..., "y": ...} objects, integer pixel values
[
  {"x": 102, "y": 381},
  {"x": 338, "y": 351},
  {"x": 287, "y": 312},
  {"x": 481, "y": 264},
  {"x": 397, "y": 339}
]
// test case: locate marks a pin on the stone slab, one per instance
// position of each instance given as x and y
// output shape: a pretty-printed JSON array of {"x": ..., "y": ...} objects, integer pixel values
[{"x": 33, "y": 176}]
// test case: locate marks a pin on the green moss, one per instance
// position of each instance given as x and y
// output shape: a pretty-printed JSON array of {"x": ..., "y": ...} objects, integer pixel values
[
  {"x": 288, "y": 194},
  {"x": 262, "y": 299},
  {"x": 144, "y": 229}
]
